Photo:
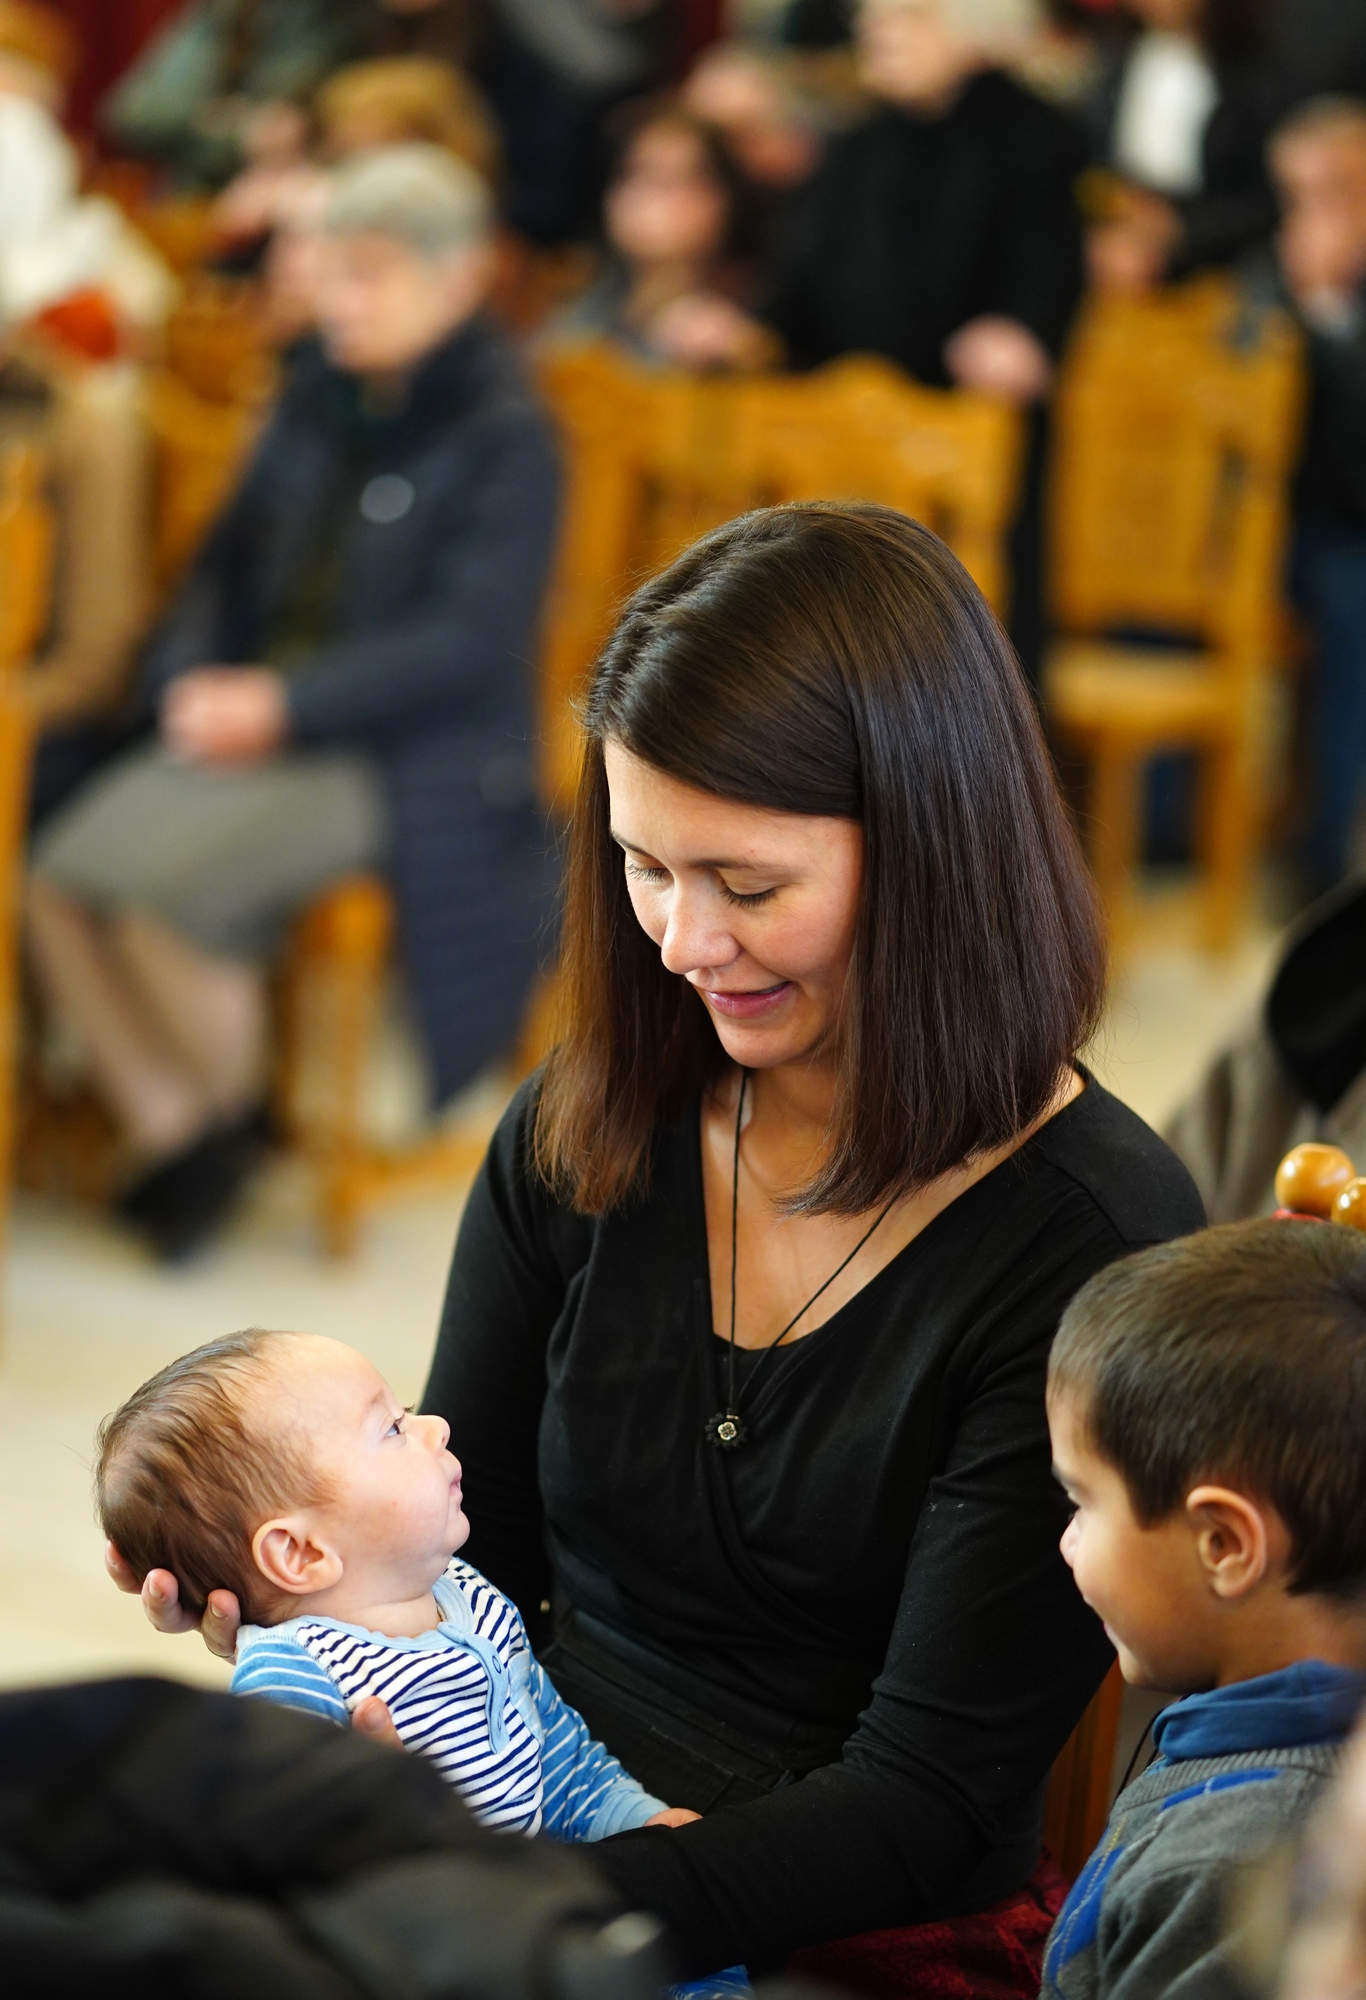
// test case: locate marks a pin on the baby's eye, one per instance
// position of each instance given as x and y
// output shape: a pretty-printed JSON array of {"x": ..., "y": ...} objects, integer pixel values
[{"x": 396, "y": 1427}]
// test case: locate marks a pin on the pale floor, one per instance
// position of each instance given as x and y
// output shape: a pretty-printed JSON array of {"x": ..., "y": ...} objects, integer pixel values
[{"x": 88, "y": 1317}]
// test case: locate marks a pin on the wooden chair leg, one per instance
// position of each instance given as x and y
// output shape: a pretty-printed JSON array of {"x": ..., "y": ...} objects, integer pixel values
[
  {"x": 1225, "y": 841},
  {"x": 1116, "y": 824},
  {"x": 331, "y": 992}
]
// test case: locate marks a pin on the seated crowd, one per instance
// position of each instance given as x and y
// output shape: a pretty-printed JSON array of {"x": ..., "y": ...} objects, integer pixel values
[{"x": 833, "y": 1377}]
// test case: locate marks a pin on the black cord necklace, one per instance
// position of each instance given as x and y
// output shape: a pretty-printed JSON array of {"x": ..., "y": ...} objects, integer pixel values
[{"x": 727, "y": 1430}]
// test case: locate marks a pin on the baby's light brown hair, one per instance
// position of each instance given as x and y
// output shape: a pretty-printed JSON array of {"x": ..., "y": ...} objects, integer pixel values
[{"x": 183, "y": 1477}]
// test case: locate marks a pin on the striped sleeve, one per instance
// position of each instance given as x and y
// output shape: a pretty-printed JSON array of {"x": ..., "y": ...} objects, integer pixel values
[
  {"x": 587, "y": 1795},
  {"x": 282, "y": 1670}
]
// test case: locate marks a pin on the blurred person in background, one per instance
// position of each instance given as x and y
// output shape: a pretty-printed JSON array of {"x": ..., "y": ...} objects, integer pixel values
[
  {"x": 1180, "y": 117},
  {"x": 342, "y": 683},
  {"x": 391, "y": 101},
  {"x": 1318, "y": 267},
  {"x": 672, "y": 219},
  {"x": 770, "y": 124},
  {"x": 553, "y": 71},
  {"x": 397, "y": 99},
  {"x": 81, "y": 295},
  {"x": 1325, "y": 1958},
  {"x": 943, "y": 231},
  {"x": 188, "y": 99}
]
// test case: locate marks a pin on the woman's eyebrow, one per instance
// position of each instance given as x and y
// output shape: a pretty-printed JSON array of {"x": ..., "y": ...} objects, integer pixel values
[{"x": 747, "y": 867}]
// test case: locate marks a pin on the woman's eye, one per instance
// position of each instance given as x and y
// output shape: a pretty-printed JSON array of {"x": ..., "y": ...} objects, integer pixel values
[
  {"x": 633, "y": 868},
  {"x": 750, "y": 902}
]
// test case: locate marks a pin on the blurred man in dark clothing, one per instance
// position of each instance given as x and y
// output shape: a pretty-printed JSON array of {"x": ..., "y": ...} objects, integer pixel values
[{"x": 943, "y": 232}]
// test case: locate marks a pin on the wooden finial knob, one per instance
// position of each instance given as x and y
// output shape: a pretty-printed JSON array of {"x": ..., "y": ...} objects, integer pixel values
[
  {"x": 1310, "y": 1179},
  {"x": 1350, "y": 1206}
]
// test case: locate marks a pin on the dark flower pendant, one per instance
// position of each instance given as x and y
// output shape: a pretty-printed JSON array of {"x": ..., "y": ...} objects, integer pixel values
[{"x": 727, "y": 1430}]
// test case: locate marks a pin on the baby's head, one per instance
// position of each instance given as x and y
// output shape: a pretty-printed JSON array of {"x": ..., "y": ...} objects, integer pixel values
[
  {"x": 282, "y": 1467},
  {"x": 1207, "y": 1404}
]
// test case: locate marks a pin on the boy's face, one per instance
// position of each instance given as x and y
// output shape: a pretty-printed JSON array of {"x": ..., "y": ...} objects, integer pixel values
[
  {"x": 393, "y": 1511},
  {"x": 1146, "y": 1584}
]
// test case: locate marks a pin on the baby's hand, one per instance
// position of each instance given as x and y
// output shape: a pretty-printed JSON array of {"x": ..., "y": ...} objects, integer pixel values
[{"x": 672, "y": 1816}]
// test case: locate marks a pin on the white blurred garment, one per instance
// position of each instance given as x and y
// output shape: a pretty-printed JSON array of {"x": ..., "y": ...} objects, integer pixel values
[
  {"x": 53, "y": 242},
  {"x": 1165, "y": 102}
]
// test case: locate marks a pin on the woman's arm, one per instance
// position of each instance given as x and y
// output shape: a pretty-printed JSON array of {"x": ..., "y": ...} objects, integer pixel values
[
  {"x": 515, "y": 1258},
  {"x": 932, "y": 1808}
]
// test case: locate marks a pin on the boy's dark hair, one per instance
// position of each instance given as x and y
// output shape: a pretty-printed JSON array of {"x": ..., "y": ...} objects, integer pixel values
[
  {"x": 182, "y": 1481},
  {"x": 1238, "y": 1355}
]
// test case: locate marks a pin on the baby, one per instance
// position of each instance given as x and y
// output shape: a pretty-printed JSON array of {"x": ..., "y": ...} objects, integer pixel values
[{"x": 282, "y": 1467}]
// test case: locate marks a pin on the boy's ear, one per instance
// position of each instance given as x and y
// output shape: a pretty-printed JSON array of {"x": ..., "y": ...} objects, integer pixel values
[
  {"x": 288, "y": 1556},
  {"x": 1237, "y": 1539}
]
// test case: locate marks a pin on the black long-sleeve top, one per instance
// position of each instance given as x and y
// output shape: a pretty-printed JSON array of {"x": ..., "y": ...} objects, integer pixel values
[
  {"x": 913, "y": 226},
  {"x": 880, "y": 1561}
]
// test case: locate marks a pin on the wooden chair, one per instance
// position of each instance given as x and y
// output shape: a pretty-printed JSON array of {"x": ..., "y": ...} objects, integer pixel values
[
  {"x": 27, "y": 538},
  {"x": 27, "y": 549},
  {"x": 205, "y": 408},
  {"x": 1176, "y": 428},
  {"x": 199, "y": 446},
  {"x": 1077, "y": 1802},
  {"x": 215, "y": 341},
  {"x": 653, "y": 460}
]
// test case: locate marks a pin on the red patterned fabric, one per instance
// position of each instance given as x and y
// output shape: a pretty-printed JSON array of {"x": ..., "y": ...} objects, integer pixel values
[{"x": 995, "y": 1954}]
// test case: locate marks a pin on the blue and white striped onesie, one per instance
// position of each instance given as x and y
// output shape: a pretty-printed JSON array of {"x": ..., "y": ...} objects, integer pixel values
[{"x": 471, "y": 1696}]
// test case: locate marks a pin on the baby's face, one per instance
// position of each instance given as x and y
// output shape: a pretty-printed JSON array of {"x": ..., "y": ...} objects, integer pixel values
[{"x": 393, "y": 1511}]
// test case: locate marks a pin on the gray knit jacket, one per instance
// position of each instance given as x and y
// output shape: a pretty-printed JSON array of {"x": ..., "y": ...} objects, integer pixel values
[{"x": 1151, "y": 1915}]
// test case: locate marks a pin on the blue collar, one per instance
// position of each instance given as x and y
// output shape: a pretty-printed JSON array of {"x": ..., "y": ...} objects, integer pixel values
[{"x": 1310, "y": 1702}]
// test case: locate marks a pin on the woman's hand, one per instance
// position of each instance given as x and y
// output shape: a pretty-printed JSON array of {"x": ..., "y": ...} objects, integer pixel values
[
  {"x": 672, "y": 1816},
  {"x": 160, "y": 1595},
  {"x": 371, "y": 1718}
]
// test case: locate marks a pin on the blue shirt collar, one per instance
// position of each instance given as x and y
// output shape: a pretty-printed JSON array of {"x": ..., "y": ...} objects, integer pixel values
[{"x": 1310, "y": 1702}]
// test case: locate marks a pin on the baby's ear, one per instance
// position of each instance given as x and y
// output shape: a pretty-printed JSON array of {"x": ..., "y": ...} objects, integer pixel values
[{"x": 293, "y": 1560}]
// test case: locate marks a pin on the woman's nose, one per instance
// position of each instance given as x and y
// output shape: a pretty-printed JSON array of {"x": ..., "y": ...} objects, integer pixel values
[{"x": 694, "y": 940}]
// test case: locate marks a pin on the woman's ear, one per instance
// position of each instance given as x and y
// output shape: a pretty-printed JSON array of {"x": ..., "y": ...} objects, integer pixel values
[
  {"x": 288, "y": 1556},
  {"x": 1237, "y": 1540}
]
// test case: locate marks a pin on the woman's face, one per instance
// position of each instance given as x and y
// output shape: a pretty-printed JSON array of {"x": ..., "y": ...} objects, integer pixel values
[
  {"x": 666, "y": 205},
  {"x": 756, "y": 909}
]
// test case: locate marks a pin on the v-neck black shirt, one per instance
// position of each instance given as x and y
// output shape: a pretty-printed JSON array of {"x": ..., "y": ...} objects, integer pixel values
[{"x": 877, "y": 1568}]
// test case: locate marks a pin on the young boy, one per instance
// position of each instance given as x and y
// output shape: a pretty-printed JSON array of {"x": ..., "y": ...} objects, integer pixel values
[
  {"x": 281, "y": 1466},
  {"x": 1207, "y": 1404}
]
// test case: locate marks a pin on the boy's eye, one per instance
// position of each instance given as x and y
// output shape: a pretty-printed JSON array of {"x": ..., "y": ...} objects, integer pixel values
[{"x": 396, "y": 1428}]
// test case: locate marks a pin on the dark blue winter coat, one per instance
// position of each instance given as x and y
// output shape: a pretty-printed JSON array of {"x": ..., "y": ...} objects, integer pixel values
[{"x": 427, "y": 535}]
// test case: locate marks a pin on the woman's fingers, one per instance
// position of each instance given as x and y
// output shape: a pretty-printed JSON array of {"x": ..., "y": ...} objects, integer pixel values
[
  {"x": 121, "y": 1572},
  {"x": 222, "y": 1616},
  {"x": 372, "y": 1718},
  {"x": 161, "y": 1602}
]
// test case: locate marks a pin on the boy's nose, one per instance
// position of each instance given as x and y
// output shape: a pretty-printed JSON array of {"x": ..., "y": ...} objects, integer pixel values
[{"x": 1069, "y": 1541}]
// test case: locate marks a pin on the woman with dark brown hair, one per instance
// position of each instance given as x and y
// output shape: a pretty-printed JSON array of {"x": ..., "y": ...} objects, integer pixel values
[{"x": 745, "y": 1340}]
